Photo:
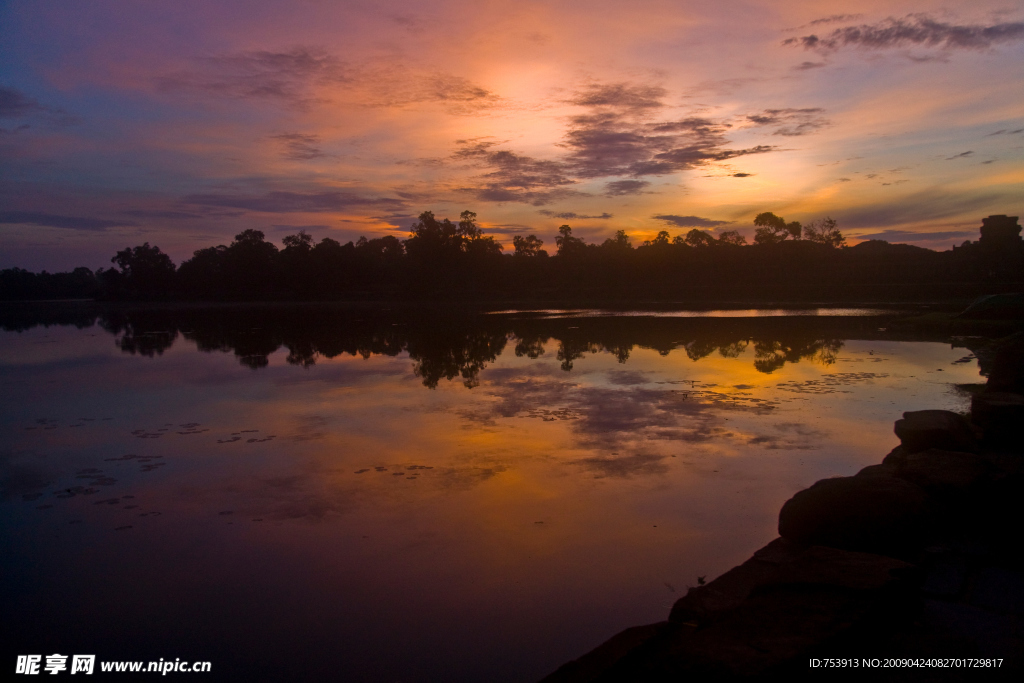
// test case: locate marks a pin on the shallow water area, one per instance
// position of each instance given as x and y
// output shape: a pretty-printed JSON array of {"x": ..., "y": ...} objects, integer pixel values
[{"x": 298, "y": 492}]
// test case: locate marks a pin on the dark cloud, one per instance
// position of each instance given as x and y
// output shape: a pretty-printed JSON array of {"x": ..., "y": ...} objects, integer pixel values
[
  {"x": 50, "y": 220},
  {"x": 834, "y": 19},
  {"x": 570, "y": 215},
  {"x": 391, "y": 84},
  {"x": 13, "y": 131},
  {"x": 806, "y": 66},
  {"x": 299, "y": 146},
  {"x": 620, "y": 144},
  {"x": 173, "y": 215},
  {"x": 410, "y": 22},
  {"x": 620, "y": 95},
  {"x": 286, "y": 202},
  {"x": 515, "y": 177},
  {"x": 261, "y": 74},
  {"x": 296, "y": 78},
  {"x": 961, "y": 155},
  {"x": 742, "y": 175},
  {"x": 909, "y": 236},
  {"x": 927, "y": 205},
  {"x": 618, "y": 188},
  {"x": 617, "y": 137},
  {"x": 300, "y": 228},
  {"x": 790, "y": 122},
  {"x": 449, "y": 88},
  {"x": 913, "y": 30},
  {"x": 1007, "y": 132},
  {"x": 691, "y": 221},
  {"x": 15, "y": 104},
  {"x": 510, "y": 228}
]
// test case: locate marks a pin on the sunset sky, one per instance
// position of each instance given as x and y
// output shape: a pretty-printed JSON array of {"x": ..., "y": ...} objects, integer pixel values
[{"x": 182, "y": 123}]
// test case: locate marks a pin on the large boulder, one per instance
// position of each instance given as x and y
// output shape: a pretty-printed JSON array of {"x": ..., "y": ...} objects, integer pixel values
[
  {"x": 945, "y": 472},
  {"x": 1000, "y": 414},
  {"x": 996, "y": 307},
  {"x": 785, "y": 562},
  {"x": 760, "y": 620},
  {"x": 877, "y": 514},
  {"x": 920, "y": 430},
  {"x": 1006, "y": 368}
]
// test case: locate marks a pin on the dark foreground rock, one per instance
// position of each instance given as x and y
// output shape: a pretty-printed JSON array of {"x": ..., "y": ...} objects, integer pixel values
[
  {"x": 785, "y": 603},
  {"x": 872, "y": 513},
  {"x": 917, "y": 557},
  {"x": 923, "y": 429}
]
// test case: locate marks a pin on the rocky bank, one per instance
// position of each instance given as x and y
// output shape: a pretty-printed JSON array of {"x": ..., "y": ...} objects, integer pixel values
[{"x": 919, "y": 556}]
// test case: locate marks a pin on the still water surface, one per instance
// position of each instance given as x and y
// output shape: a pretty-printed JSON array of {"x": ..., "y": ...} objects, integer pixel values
[{"x": 372, "y": 495}]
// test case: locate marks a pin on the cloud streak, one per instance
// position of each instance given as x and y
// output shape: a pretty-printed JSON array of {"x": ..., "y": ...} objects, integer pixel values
[
  {"x": 16, "y": 104},
  {"x": 306, "y": 76},
  {"x": 515, "y": 177},
  {"x": 791, "y": 122},
  {"x": 569, "y": 215},
  {"x": 907, "y": 236},
  {"x": 690, "y": 221},
  {"x": 286, "y": 76},
  {"x": 288, "y": 202},
  {"x": 619, "y": 188},
  {"x": 617, "y": 142},
  {"x": 913, "y": 30},
  {"x": 299, "y": 146},
  {"x": 50, "y": 220}
]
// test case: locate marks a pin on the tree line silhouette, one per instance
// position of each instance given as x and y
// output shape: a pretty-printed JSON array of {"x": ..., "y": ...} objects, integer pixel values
[{"x": 445, "y": 260}]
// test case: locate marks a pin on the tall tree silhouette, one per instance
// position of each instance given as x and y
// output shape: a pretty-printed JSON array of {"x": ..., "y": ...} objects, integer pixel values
[
  {"x": 145, "y": 271},
  {"x": 772, "y": 229}
]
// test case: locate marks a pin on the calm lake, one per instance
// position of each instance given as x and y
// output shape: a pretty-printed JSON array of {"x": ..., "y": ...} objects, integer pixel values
[{"x": 363, "y": 494}]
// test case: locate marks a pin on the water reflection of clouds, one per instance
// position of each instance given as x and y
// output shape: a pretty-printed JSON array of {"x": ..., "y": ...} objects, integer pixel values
[
  {"x": 619, "y": 410},
  {"x": 624, "y": 466}
]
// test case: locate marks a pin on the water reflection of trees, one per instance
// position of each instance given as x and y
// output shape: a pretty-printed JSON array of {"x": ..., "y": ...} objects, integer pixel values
[
  {"x": 449, "y": 344},
  {"x": 769, "y": 356},
  {"x": 463, "y": 355}
]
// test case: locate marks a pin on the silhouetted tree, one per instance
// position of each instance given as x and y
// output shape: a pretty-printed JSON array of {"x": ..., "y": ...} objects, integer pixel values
[
  {"x": 732, "y": 237},
  {"x": 660, "y": 241},
  {"x": 20, "y": 284},
  {"x": 145, "y": 271},
  {"x": 568, "y": 245},
  {"x": 205, "y": 275},
  {"x": 528, "y": 246},
  {"x": 825, "y": 232},
  {"x": 474, "y": 242},
  {"x": 300, "y": 242},
  {"x": 251, "y": 265},
  {"x": 620, "y": 242},
  {"x": 333, "y": 267},
  {"x": 699, "y": 238},
  {"x": 433, "y": 240},
  {"x": 772, "y": 229}
]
